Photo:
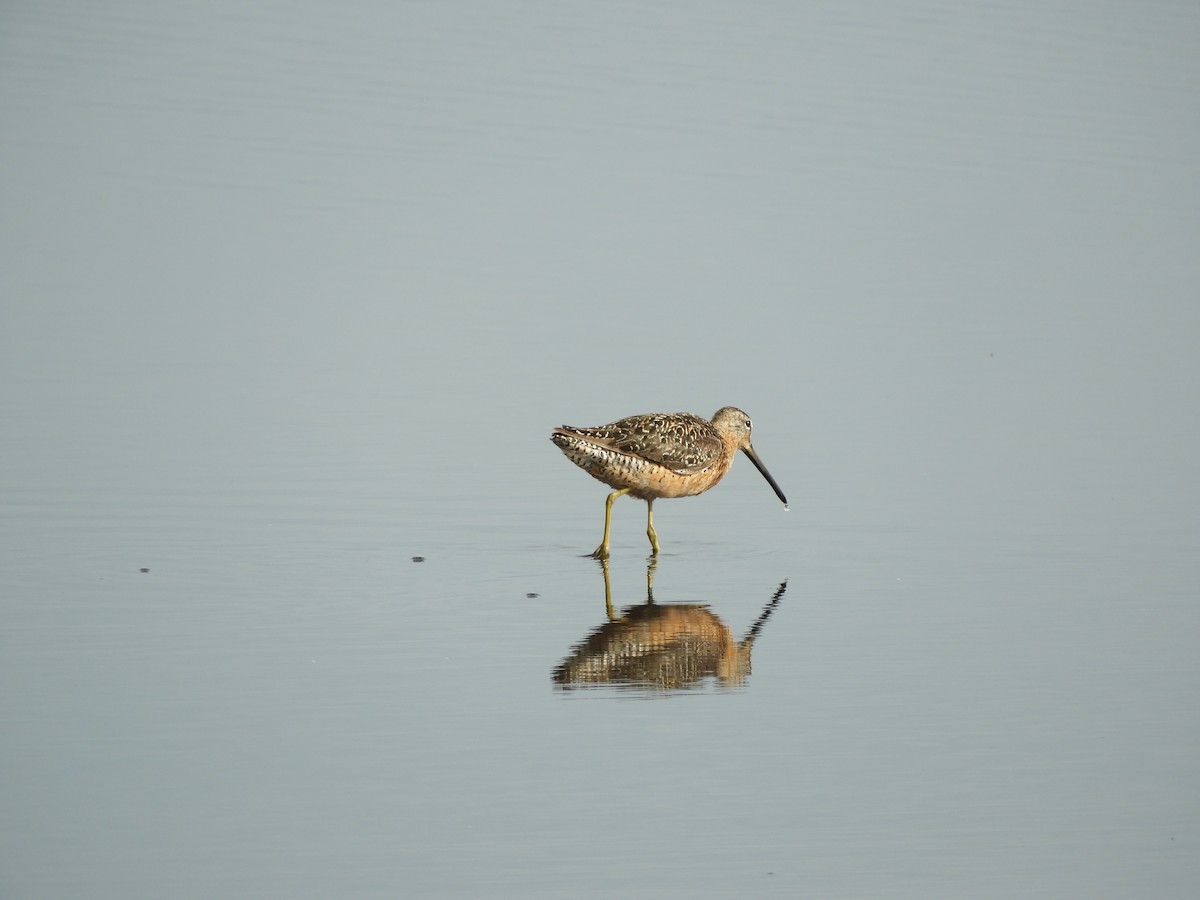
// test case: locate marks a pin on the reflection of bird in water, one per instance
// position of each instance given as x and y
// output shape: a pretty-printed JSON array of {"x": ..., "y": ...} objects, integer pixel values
[
  {"x": 669, "y": 646},
  {"x": 659, "y": 455}
]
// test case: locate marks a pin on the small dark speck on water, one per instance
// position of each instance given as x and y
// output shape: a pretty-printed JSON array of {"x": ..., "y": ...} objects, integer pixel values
[
  {"x": 143, "y": 570},
  {"x": 418, "y": 559},
  {"x": 532, "y": 596}
]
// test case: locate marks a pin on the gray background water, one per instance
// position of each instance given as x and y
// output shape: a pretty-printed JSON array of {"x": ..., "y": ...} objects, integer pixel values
[{"x": 293, "y": 292}]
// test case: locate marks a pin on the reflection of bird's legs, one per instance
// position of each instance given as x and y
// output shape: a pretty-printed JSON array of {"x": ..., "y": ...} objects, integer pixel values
[
  {"x": 601, "y": 552},
  {"x": 608, "y": 607},
  {"x": 650, "y": 533},
  {"x": 650, "y": 567}
]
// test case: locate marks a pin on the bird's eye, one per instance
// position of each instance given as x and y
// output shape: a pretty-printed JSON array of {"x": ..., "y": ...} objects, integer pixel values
[{"x": 747, "y": 423}]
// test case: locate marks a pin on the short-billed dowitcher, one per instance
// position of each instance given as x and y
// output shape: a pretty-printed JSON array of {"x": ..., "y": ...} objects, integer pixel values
[{"x": 659, "y": 455}]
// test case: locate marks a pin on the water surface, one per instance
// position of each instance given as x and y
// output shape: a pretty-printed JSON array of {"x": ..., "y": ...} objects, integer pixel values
[{"x": 293, "y": 295}]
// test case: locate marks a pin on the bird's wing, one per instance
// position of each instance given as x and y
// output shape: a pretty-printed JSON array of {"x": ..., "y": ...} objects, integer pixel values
[{"x": 681, "y": 442}]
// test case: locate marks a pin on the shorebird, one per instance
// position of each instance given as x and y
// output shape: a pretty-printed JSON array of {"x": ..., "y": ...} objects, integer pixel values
[{"x": 659, "y": 455}]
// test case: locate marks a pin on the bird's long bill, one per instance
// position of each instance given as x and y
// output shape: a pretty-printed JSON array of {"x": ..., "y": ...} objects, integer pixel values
[{"x": 749, "y": 451}]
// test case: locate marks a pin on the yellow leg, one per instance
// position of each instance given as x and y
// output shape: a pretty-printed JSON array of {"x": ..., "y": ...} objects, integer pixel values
[
  {"x": 601, "y": 552},
  {"x": 650, "y": 533}
]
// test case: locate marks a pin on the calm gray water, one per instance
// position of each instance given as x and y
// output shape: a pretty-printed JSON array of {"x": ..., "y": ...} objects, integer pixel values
[{"x": 291, "y": 294}]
